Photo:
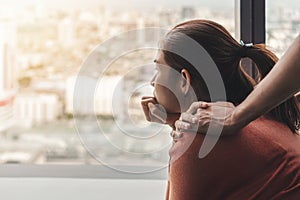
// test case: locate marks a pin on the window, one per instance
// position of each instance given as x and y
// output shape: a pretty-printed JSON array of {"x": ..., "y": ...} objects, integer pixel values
[
  {"x": 282, "y": 25},
  {"x": 45, "y": 45}
]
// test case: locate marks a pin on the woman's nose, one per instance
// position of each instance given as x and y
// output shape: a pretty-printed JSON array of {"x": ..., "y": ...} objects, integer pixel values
[{"x": 153, "y": 80}]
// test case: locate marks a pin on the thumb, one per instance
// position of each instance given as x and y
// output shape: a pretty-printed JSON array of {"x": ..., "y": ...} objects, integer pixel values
[{"x": 158, "y": 111}]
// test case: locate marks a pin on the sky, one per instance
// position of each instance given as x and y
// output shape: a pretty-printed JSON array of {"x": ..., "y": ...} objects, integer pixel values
[{"x": 217, "y": 4}]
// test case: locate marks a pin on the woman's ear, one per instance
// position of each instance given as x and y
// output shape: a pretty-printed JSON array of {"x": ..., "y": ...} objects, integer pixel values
[{"x": 185, "y": 81}]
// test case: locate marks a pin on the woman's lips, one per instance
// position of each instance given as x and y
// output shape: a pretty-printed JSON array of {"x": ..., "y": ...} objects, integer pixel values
[{"x": 154, "y": 95}]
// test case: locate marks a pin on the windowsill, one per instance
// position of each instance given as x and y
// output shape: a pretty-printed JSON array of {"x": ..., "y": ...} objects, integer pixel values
[
  {"x": 81, "y": 171},
  {"x": 78, "y": 189}
]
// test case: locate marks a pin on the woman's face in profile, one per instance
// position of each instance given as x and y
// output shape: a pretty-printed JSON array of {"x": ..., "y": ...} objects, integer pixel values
[{"x": 165, "y": 85}]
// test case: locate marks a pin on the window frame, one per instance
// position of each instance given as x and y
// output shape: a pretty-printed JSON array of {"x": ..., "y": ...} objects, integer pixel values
[{"x": 251, "y": 23}]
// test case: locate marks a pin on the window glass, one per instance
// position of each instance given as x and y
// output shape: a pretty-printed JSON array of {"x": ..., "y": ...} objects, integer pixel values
[
  {"x": 46, "y": 45},
  {"x": 282, "y": 24}
]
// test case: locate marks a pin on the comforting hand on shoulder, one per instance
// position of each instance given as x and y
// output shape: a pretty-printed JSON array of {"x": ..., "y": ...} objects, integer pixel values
[{"x": 201, "y": 115}]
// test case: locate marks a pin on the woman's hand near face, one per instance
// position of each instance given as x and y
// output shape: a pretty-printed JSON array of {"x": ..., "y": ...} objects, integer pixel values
[
  {"x": 155, "y": 112},
  {"x": 201, "y": 115}
]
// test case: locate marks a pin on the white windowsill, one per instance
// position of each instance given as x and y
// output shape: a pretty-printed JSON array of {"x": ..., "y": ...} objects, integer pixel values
[{"x": 79, "y": 189}]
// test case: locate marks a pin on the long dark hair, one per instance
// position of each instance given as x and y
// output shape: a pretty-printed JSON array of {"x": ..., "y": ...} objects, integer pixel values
[{"x": 226, "y": 52}]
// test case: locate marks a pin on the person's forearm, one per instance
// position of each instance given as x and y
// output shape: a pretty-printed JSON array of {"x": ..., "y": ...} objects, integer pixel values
[{"x": 281, "y": 83}]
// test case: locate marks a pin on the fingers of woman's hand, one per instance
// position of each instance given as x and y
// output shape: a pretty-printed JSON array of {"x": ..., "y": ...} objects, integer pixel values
[
  {"x": 202, "y": 115},
  {"x": 144, "y": 102},
  {"x": 157, "y": 112},
  {"x": 148, "y": 98},
  {"x": 176, "y": 135},
  {"x": 223, "y": 104},
  {"x": 188, "y": 121},
  {"x": 152, "y": 110},
  {"x": 181, "y": 125},
  {"x": 194, "y": 106},
  {"x": 191, "y": 118}
]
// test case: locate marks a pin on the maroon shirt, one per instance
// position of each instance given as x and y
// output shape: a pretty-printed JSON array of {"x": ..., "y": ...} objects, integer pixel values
[{"x": 262, "y": 161}]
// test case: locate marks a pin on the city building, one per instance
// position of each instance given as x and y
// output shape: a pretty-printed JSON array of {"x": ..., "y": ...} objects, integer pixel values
[
  {"x": 94, "y": 97},
  {"x": 140, "y": 31},
  {"x": 66, "y": 33},
  {"x": 37, "y": 108},
  {"x": 8, "y": 73}
]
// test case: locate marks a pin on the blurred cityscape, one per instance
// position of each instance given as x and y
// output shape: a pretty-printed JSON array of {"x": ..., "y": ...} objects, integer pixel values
[{"x": 42, "y": 50}]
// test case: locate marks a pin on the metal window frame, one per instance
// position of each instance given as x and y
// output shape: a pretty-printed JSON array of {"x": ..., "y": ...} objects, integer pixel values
[{"x": 250, "y": 25}]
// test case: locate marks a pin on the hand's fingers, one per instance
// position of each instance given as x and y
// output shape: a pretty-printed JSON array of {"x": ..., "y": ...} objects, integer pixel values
[
  {"x": 147, "y": 97},
  {"x": 144, "y": 102},
  {"x": 158, "y": 111},
  {"x": 204, "y": 121},
  {"x": 188, "y": 117},
  {"x": 223, "y": 103},
  {"x": 146, "y": 112},
  {"x": 203, "y": 113},
  {"x": 180, "y": 125},
  {"x": 200, "y": 111},
  {"x": 186, "y": 127},
  {"x": 193, "y": 108},
  {"x": 155, "y": 119},
  {"x": 176, "y": 134},
  {"x": 194, "y": 118},
  {"x": 195, "y": 105}
]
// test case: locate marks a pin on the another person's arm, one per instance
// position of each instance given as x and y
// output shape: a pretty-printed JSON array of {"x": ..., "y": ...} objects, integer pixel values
[{"x": 281, "y": 83}]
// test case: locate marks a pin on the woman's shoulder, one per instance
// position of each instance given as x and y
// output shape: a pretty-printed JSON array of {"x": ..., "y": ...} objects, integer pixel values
[
  {"x": 271, "y": 136},
  {"x": 266, "y": 127},
  {"x": 263, "y": 139}
]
